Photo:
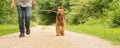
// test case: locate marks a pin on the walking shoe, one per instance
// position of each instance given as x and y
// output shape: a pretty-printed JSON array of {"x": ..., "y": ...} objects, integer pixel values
[
  {"x": 28, "y": 31},
  {"x": 22, "y": 35}
]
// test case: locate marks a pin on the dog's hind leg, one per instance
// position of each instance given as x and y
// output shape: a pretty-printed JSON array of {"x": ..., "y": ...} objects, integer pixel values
[
  {"x": 62, "y": 30},
  {"x": 57, "y": 30}
]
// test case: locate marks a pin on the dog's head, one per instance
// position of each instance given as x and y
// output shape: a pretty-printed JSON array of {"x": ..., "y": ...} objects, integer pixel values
[{"x": 59, "y": 14}]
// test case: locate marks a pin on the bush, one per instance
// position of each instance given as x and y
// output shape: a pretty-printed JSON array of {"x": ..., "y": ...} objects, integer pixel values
[
  {"x": 113, "y": 14},
  {"x": 116, "y": 19},
  {"x": 7, "y": 16},
  {"x": 48, "y": 17}
]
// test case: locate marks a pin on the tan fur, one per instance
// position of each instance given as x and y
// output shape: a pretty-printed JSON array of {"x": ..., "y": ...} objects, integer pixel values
[{"x": 60, "y": 22}]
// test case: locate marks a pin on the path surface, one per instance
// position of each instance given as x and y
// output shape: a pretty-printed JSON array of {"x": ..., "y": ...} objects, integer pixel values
[{"x": 44, "y": 37}]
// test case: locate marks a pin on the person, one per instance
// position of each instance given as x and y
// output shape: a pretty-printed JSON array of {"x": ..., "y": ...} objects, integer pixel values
[{"x": 24, "y": 8}]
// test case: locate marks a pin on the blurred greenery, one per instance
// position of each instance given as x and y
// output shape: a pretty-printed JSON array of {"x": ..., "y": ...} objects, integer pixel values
[
  {"x": 7, "y": 15},
  {"x": 49, "y": 17}
]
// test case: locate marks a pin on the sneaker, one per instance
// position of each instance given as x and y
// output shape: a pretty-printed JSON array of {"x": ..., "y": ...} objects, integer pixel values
[
  {"x": 22, "y": 35},
  {"x": 28, "y": 32}
]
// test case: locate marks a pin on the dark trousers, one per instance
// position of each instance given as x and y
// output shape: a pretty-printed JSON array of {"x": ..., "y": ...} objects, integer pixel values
[{"x": 23, "y": 18}]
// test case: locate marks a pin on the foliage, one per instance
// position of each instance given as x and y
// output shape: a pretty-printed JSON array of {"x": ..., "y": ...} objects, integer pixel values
[
  {"x": 115, "y": 18},
  {"x": 7, "y": 15},
  {"x": 75, "y": 16},
  {"x": 76, "y": 11},
  {"x": 82, "y": 10},
  {"x": 49, "y": 17}
]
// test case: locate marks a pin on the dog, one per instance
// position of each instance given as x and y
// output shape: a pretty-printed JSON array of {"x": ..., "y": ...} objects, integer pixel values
[{"x": 60, "y": 22}]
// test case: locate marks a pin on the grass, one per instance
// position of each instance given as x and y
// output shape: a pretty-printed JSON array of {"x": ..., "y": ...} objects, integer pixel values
[
  {"x": 110, "y": 34},
  {"x": 8, "y": 29}
]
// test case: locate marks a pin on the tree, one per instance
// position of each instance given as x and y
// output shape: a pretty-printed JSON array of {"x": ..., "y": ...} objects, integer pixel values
[{"x": 48, "y": 17}]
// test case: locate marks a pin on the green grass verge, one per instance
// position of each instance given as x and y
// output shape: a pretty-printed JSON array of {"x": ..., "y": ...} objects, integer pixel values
[
  {"x": 8, "y": 29},
  {"x": 110, "y": 34}
]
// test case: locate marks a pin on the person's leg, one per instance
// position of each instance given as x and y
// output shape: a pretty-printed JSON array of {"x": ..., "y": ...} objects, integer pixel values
[
  {"x": 27, "y": 19},
  {"x": 21, "y": 20}
]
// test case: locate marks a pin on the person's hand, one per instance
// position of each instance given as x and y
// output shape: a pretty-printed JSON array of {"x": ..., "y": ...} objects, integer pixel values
[
  {"x": 33, "y": 4},
  {"x": 12, "y": 6}
]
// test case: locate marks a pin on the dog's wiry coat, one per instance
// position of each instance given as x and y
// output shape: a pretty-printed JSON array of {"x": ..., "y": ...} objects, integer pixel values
[{"x": 60, "y": 22}]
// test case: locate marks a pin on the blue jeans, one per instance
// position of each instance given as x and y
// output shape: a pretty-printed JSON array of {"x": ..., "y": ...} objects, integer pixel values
[{"x": 23, "y": 14}]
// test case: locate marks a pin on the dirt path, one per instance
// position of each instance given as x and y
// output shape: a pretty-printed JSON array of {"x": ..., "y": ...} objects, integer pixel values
[{"x": 44, "y": 37}]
